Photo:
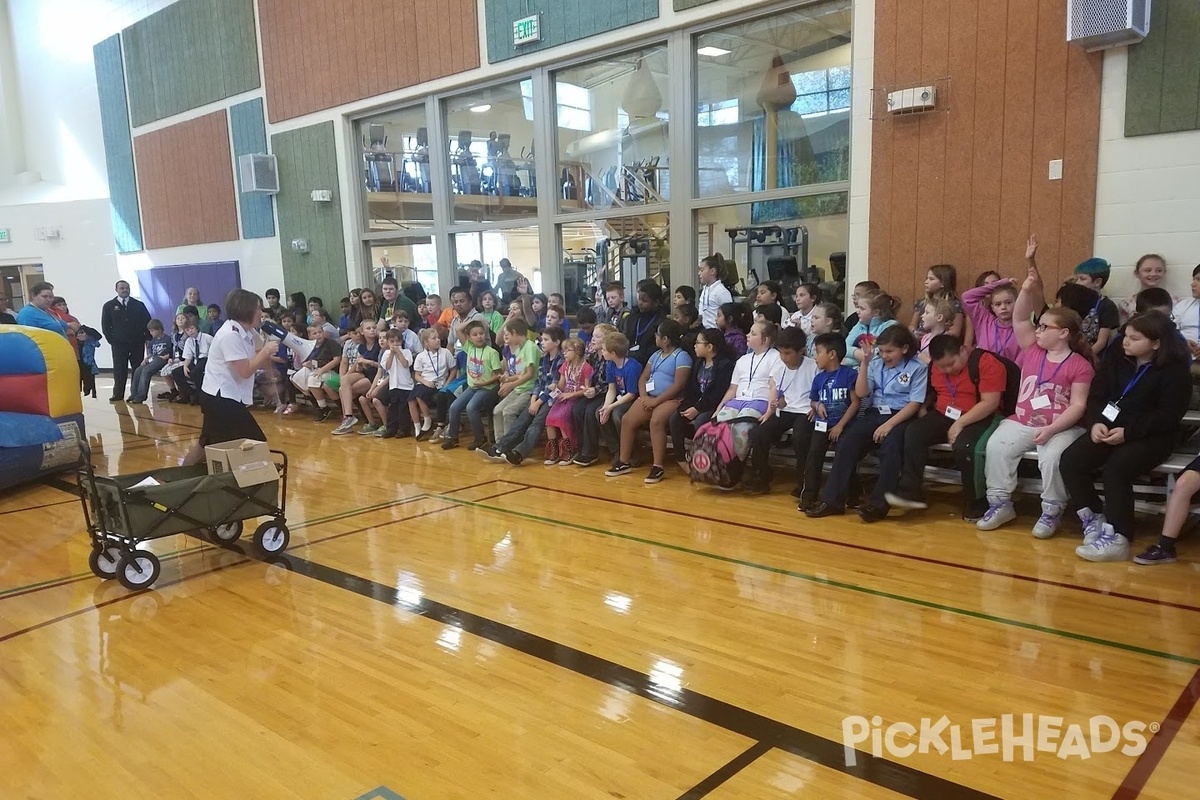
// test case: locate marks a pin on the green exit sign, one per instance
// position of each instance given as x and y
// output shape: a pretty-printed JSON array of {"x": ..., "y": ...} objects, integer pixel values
[
  {"x": 5, "y": 235},
  {"x": 527, "y": 30}
]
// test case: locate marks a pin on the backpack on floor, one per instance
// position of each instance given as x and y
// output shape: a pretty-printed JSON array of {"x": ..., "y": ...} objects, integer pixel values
[{"x": 718, "y": 453}]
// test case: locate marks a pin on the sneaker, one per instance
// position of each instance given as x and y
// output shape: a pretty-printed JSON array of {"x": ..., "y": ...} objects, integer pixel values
[
  {"x": 998, "y": 513},
  {"x": 903, "y": 501},
  {"x": 1156, "y": 554},
  {"x": 1093, "y": 524},
  {"x": 821, "y": 509},
  {"x": 478, "y": 443},
  {"x": 1047, "y": 525},
  {"x": 656, "y": 475},
  {"x": 162, "y": 395},
  {"x": 617, "y": 469},
  {"x": 551, "y": 453},
  {"x": 438, "y": 434},
  {"x": 449, "y": 444},
  {"x": 756, "y": 487},
  {"x": 514, "y": 458},
  {"x": 491, "y": 452},
  {"x": 290, "y": 408},
  {"x": 580, "y": 460},
  {"x": 1108, "y": 546},
  {"x": 368, "y": 429},
  {"x": 384, "y": 433},
  {"x": 380, "y": 432},
  {"x": 566, "y": 451},
  {"x": 797, "y": 493},
  {"x": 323, "y": 414},
  {"x": 347, "y": 426},
  {"x": 869, "y": 513}
]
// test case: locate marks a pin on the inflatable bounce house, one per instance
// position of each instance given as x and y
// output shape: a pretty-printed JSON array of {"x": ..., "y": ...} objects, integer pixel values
[{"x": 41, "y": 411}]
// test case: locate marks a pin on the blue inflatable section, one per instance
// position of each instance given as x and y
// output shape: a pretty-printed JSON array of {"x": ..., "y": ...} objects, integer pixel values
[{"x": 22, "y": 356}]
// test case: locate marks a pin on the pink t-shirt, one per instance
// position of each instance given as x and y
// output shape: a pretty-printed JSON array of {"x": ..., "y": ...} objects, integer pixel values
[{"x": 1046, "y": 386}]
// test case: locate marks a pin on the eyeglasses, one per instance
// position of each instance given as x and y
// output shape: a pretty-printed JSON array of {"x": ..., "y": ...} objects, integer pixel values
[{"x": 1045, "y": 327}]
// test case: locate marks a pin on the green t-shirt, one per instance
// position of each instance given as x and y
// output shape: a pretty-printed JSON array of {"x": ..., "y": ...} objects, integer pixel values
[
  {"x": 526, "y": 355},
  {"x": 494, "y": 320},
  {"x": 482, "y": 363},
  {"x": 386, "y": 309}
]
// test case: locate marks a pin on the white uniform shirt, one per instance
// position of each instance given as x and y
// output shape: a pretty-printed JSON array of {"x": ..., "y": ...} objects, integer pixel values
[
  {"x": 401, "y": 376},
  {"x": 752, "y": 373},
  {"x": 199, "y": 347},
  {"x": 434, "y": 367},
  {"x": 711, "y": 298},
  {"x": 233, "y": 342},
  {"x": 795, "y": 384},
  {"x": 1187, "y": 318}
]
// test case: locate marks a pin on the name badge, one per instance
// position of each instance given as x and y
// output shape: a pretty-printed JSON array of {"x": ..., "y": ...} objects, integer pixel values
[
  {"x": 953, "y": 413},
  {"x": 820, "y": 426},
  {"x": 884, "y": 410},
  {"x": 1111, "y": 412},
  {"x": 650, "y": 385},
  {"x": 1039, "y": 401},
  {"x": 635, "y": 348}
]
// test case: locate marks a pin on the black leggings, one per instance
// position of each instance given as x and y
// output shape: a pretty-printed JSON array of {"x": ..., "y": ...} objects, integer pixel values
[{"x": 1119, "y": 466}]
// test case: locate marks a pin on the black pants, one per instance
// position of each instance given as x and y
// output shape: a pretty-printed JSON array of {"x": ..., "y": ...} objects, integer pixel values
[
  {"x": 923, "y": 433},
  {"x": 855, "y": 442},
  {"x": 87, "y": 380},
  {"x": 442, "y": 403},
  {"x": 397, "y": 411},
  {"x": 126, "y": 356},
  {"x": 767, "y": 434},
  {"x": 1119, "y": 466},
  {"x": 811, "y": 446},
  {"x": 587, "y": 424},
  {"x": 189, "y": 388}
]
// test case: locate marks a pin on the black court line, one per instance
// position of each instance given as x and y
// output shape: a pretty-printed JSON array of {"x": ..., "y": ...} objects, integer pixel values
[
  {"x": 736, "y": 765},
  {"x": 55, "y": 482},
  {"x": 768, "y": 732}
]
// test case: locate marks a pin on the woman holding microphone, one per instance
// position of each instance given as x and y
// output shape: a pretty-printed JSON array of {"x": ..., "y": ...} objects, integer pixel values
[{"x": 228, "y": 388}]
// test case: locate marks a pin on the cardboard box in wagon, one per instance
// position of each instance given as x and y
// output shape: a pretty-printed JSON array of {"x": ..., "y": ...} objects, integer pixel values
[{"x": 248, "y": 460}]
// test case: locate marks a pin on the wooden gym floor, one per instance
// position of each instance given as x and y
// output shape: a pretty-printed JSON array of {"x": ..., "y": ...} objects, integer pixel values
[{"x": 445, "y": 627}]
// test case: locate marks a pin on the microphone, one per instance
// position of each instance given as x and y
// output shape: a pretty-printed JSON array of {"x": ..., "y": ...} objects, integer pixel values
[{"x": 301, "y": 347}]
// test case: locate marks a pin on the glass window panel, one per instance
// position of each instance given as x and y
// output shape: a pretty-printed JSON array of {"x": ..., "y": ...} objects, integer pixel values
[
  {"x": 518, "y": 245},
  {"x": 788, "y": 75},
  {"x": 613, "y": 131},
  {"x": 492, "y": 176},
  {"x": 397, "y": 186},
  {"x": 626, "y": 249},
  {"x": 412, "y": 258}
]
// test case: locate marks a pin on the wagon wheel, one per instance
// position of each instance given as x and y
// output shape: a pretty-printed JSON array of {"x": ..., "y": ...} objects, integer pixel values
[
  {"x": 226, "y": 534},
  {"x": 138, "y": 569},
  {"x": 272, "y": 537},
  {"x": 104, "y": 561}
]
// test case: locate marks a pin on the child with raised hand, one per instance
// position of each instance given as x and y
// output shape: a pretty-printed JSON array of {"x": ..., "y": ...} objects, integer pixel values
[
  {"x": 989, "y": 306},
  {"x": 893, "y": 381},
  {"x": 1134, "y": 410},
  {"x": 484, "y": 371},
  {"x": 522, "y": 435},
  {"x": 433, "y": 368},
  {"x": 623, "y": 374},
  {"x": 575, "y": 377},
  {"x": 732, "y": 322},
  {"x": 1150, "y": 271},
  {"x": 752, "y": 387},
  {"x": 833, "y": 406},
  {"x": 790, "y": 409},
  {"x": 660, "y": 385},
  {"x": 876, "y": 313},
  {"x": 941, "y": 283},
  {"x": 808, "y": 297},
  {"x": 712, "y": 370},
  {"x": 1056, "y": 374},
  {"x": 585, "y": 414},
  {"x": 936, "y": 320},
  {"x": 395, "y": 372}
]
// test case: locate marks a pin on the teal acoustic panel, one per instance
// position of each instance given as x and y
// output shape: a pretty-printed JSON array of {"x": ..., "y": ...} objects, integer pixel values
[
  {"x": 118, "y": 145},
  {"x": 189, "y": 54},
  {"x": 681, "y": 5},
  {"x": 250, "y": 136},
  {"x": 560, "y": 22}
]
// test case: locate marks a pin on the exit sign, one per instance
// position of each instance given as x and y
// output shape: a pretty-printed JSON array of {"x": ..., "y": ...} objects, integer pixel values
[
  {"x": 527, "y": 30},
  {"x": 5, "y": 235}
]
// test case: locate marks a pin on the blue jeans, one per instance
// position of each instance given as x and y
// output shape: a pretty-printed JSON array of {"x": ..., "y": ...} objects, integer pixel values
[
  {"x": 855, "y": 442},
  {"x": 142, "y": 377},
  {"x": 474, "y": 402},
  {"x": 523, "y": 436}
]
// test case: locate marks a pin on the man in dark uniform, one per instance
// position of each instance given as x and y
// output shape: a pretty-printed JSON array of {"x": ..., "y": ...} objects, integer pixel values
[{"x": 123, "y": 321}]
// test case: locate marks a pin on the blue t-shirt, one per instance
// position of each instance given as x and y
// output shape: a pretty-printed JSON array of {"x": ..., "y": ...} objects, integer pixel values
[
  {"x": 833, "y": 390},
  {"x": 662, "y": 370},
  {"x": 161, "y": 346},
  {"x": 625, "y": 377},
  {"x": 895, "y": 386},
  {"x": 34, "y": 317}
]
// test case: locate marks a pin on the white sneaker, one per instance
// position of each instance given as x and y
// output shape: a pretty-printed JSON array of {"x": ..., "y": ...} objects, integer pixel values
[
  {"x": 1107, "y": 546},
  {"x": 998, "y": 513},
  {"x": 1093, "y": 524},
  {"x": 347, "y": 426},
  {"x": 1047, "y": 524}
]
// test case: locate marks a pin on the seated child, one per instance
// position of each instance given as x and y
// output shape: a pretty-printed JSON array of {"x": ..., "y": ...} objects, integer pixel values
[
  {"x": 158, "y": 353},
  {"x": 484, "y": 372},
  {"x": 833, "y": 406},
  {"x": 433, "y": 368},
  {"x": 752, "y": 387},
  {"x": 790, "y": 409},
  {"x": 321, "y": 364}
]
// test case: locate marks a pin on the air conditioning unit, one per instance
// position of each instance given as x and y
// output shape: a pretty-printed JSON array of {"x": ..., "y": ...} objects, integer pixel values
[
  {"x": 259, "y": 173},
  {"x": 1101, "y": 24}
]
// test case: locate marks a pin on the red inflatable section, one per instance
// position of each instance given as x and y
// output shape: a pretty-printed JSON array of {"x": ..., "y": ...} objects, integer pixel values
[{"x": 25, "y": 394}]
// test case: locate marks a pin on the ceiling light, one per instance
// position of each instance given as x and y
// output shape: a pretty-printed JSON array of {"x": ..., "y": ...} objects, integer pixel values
[
  {"x": 481, "y": 109},
  {"x": 711, "y": 52}
]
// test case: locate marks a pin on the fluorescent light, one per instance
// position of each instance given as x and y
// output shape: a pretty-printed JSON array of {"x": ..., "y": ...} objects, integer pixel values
[
  {"x": 481, "y": 109},
  {"x": 711, "y": 52}
]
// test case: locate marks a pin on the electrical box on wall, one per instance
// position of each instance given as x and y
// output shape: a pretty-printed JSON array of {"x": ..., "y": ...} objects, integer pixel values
[
  {"x": 912, "y": 101},
  {"x": 1102, "y": 24},
  {"x": 322, "y": 196}
]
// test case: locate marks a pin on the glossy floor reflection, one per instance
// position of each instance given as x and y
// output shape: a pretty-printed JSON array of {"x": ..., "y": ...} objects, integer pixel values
[{"x": 448, "y": 627}]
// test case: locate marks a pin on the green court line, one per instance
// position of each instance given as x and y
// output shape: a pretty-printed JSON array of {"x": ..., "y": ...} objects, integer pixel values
[
  {"x": 1081, "y": 637},
  {"x": 354, "y": 512}
]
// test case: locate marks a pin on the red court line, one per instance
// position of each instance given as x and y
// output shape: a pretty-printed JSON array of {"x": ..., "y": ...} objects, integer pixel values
[
  {"x": 1144, "y": 767},
  {"x": 876, "y": 550}
]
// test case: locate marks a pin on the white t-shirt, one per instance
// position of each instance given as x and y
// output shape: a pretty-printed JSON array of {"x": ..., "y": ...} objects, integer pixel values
[
  {"x": 233, "y": 342},
  {"x": 1187, "y": 318},
  {"x": 752, "y": 373},
  {"x": 801, "y": 320},
  {"x": 795, "y": 384},
  {"x": 434, "y": 366},
  {"x": 401, "y": 376},
  {"x": 711, "y": 298}
]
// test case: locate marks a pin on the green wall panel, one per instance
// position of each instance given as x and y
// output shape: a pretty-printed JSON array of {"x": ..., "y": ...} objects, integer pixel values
[
  {"x": 562, "y": 21},
  {"x": 189, "y": 54},
  {"x": 1163, "y": 82},
  {"x": 308, "y": 161}
]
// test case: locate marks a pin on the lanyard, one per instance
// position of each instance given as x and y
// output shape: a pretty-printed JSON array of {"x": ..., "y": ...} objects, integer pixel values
[
  {"x": 1046, "y": 358},
  {"x": 753, "y": 368},
  {"x": 1142, "y": 370},
  {"x": 951, "y": 388},
  {"x": 783, "y": 386},
  {"x": 1000, "y": 348},
  {"x": 640, "y": 329}
]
